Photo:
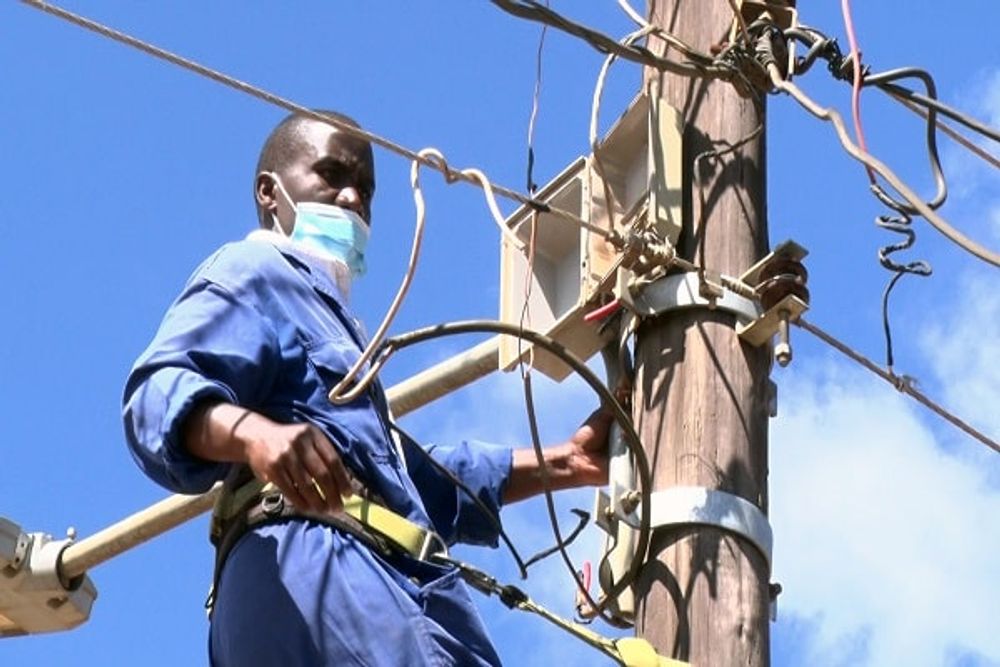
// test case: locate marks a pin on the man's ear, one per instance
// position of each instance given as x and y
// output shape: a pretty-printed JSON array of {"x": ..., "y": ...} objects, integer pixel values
[{"x": 265, "y": 192}]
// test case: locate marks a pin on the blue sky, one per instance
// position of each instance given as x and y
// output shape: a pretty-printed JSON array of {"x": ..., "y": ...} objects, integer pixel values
[{"x": 122, "y": 173}]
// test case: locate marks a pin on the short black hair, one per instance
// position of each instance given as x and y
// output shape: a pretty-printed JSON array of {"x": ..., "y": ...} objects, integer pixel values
[{"x": 285, "y": 140}]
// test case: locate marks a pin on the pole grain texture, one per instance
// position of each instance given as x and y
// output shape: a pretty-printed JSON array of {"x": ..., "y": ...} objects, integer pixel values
[{"x": 700, "y": 401}]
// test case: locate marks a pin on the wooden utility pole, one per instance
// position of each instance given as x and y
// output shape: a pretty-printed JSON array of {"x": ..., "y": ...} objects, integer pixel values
[{"x": 701, "y": 394}]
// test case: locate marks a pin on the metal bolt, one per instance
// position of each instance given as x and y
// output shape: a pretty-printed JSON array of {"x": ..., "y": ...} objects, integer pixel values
[
  {"x": 629, "y": 501},
  {"x": 783, "y": 350}
]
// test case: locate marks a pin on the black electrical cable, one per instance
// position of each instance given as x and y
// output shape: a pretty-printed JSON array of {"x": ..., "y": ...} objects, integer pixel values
[
  {"x": 943, "y": 109},
  {"x": 699, "y": 65},
  {"x": 532, "y": 187},
  {"x": 584, "y": 519},
  {"x": 883, "y": 78},
  {"x": 901, "y": 225},
  {"x": 536, "y": 445},
  {"x": 821, "y": 46},
  {"x": 522, "y": 563},
  {"x": 401, "y": 341},
  {"x": 490, "y": 515}
]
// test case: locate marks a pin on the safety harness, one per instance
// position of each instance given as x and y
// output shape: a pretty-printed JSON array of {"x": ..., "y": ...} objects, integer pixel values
[{"x": 247, "y": 502}]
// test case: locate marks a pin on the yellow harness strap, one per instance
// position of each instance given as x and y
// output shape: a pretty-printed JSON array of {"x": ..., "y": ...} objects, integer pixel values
[
  {"x": 628, "y": 651},
  {"x": 425, "y": 544},
  {"x": 403, "y": 534}
]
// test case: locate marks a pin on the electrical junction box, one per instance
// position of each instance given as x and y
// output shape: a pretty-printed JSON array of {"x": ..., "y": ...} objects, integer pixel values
[
  {"x": 572, "y": 265},
  {"x": 641, "y": 159},
  {"x": 554, "y": 284}
]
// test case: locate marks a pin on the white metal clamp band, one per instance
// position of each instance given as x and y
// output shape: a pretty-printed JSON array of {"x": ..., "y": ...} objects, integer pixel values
[
  {"x": 685, "y": 505},
  {"x": 679, "y": 291}
]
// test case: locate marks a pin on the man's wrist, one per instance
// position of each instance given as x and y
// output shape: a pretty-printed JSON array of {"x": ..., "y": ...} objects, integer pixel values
[{"x": 219, "y": 431}]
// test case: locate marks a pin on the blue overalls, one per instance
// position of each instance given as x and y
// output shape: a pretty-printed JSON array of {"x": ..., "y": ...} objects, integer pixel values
[{"x": 266, "y": 328}]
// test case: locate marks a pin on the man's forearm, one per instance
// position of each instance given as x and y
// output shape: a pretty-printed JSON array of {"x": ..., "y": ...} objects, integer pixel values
[
  {"x": 212, "y": 431},
  {"x": 526, "y": 476}
]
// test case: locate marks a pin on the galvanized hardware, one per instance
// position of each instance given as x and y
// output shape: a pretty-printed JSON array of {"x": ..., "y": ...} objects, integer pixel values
[
  {"x": 695, "y": 505},
  {"x": 780, "y": 282},
  {"x": 678, "y": 506},
  {"x": 783, "y": 348},
  {"x": 772, "y": 399},
  {"x": 773, "y": 591},
  {"x": 273, "y": 504},
  {"x": 681, "y": 291}
]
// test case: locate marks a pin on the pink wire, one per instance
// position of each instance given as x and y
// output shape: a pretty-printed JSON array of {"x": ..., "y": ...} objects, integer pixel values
[{"x": 845, "y": 8}]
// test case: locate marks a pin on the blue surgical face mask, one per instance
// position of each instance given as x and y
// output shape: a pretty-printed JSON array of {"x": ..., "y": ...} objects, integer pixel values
[{"x": 329, "y": 231}]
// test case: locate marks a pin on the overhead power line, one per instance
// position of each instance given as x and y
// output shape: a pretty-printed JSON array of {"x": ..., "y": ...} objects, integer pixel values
[
  {"x": 919, "y": 206},
  {"x": 698, "y": 65},
  {"x": 948, "y": 130},
  {"x": 939, "y": 106},
  {"x": 471, "y": 176},
  {"x": 900, "y": 383}
]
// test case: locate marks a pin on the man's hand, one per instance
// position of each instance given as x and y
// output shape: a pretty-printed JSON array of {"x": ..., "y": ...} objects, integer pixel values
[
  {"x": 588, "y": 449},
  {"x": 580, "y": 461},
  {"x": 297, "y": 458}
]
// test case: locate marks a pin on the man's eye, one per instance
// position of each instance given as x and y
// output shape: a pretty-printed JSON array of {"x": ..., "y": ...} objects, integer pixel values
[{"x": 332, "y": 175}]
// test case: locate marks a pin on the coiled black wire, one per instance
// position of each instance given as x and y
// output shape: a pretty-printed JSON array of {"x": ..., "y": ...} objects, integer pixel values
[
  {"x": 900, "y": 224},
  {"x": 401, "y": 341}
]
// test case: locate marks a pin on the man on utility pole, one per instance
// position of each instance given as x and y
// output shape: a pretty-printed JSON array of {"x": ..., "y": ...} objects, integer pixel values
[
  {"x": 235, "y": 385},
  {"x": 701, "y": 403}
]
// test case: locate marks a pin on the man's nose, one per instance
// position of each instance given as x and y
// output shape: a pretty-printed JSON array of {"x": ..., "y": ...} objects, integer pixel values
[{"x": 349, "y": 198}]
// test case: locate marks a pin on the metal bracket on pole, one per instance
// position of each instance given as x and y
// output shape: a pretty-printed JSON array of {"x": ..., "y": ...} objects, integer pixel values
[
  {"x": 680, "y": 291},
  {"x": 696, "y": 505}
]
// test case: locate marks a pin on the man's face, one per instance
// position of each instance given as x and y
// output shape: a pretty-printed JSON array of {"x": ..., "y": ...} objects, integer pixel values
[{"x": 331, "y": 167}]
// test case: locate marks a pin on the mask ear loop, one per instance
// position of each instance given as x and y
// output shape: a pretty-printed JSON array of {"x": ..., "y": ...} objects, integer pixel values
[{"x": 275, "y": 225}]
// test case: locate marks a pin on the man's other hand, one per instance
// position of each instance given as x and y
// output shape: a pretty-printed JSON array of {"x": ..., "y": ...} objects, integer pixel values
[{"x": 297, "y": 458}]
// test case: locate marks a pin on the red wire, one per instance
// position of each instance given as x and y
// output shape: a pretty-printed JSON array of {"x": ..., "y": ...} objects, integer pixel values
[
  {"x": 606, "y": 310},
  {"x": 845, "y": 8}
]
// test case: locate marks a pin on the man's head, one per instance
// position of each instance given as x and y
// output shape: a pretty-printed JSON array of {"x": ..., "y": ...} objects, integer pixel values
[{"x": 316, "y": 162}]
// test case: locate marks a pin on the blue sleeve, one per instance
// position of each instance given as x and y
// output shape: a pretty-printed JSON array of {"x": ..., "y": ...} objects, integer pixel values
[
  {"x": 483, "y": 468},
  {"x": 212, "y": 345}
]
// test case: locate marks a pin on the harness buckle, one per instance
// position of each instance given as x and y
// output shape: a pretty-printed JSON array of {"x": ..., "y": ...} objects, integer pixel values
[
  {"x": 273, "y": 504},
  {"x": 432, "y": 545}
]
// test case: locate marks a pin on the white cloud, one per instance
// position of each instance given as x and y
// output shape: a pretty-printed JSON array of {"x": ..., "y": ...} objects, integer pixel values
[
  {"x": 883, "y": 536},
  {"x": 884, "y": 514},
  {"x": 962, "y": 343}
]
